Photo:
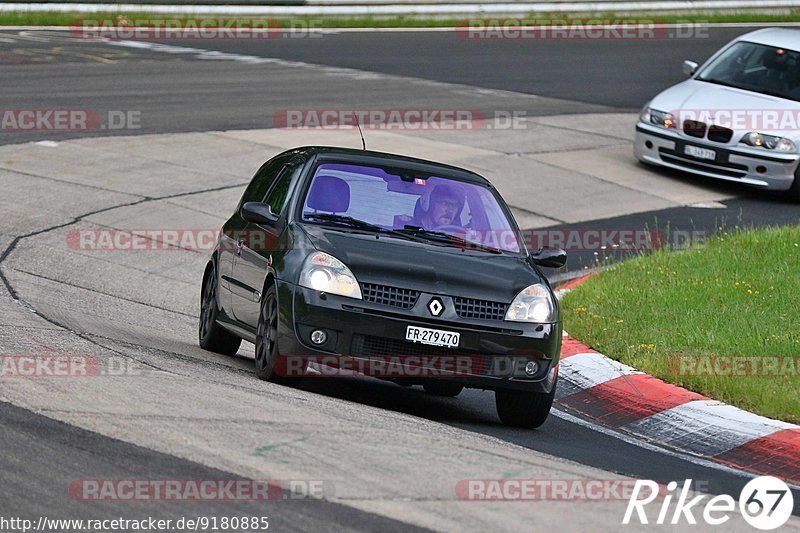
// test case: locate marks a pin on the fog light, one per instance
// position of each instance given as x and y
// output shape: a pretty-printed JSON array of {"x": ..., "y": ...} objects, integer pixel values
[
  {"x": 531, "y": 368},
  {"x": 318, "y": 336}
]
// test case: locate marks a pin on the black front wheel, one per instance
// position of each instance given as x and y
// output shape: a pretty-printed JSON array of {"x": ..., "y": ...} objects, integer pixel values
[
  {"x": 267, "y": 352},
  {"x": 211, "y": 335},
  {"x": 794, "y": 192},
  {"x": 523, "y": 409}
]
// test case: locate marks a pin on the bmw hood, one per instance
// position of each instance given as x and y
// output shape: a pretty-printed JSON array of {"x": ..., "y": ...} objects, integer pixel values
[
  {"x": 432, "y": 268},
  {"x": 740, "y": 110}
]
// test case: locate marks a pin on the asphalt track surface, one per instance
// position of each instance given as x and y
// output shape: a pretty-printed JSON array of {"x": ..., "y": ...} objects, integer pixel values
[
  {"x": 182, "y": 93},
  {"x": 179, "y": 93}
]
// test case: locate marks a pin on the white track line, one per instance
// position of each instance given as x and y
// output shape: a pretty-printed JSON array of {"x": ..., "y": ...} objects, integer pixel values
[
  {"x": 639, "y": 443},
  {"x": 707, "y": 427},
  {"x": 587, "y": 370},
  {"x": 406, "y": 9}
]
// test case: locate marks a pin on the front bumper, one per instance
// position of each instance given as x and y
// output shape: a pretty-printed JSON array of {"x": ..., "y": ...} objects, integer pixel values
[
  {"x": 766, "y": 170},
  {"x": 491, "y": 353}
]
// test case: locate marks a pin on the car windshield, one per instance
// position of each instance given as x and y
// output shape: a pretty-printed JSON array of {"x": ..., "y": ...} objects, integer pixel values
[
  {"x": 757, "y": 68},
  {"x": 420, "y": 205}
]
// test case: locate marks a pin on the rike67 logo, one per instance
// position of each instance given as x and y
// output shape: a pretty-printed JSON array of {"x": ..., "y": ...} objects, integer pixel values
[{"x": 765, "y": 503}]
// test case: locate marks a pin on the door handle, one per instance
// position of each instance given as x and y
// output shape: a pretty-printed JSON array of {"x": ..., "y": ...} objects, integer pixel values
[{"x": 239, "y": 246}]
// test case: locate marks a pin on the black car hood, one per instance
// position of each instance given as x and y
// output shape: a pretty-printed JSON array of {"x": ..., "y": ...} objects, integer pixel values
[{"x": 432, "y": 268}]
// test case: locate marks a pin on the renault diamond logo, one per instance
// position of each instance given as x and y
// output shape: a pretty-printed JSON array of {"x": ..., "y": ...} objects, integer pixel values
[{"x": 435, "y": 306}]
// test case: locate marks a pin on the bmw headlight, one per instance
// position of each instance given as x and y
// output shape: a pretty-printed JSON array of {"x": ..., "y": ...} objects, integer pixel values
[
  {"x": 533, "y": 304},
  {"x": 770, "y": 142},
  {"x": 323, "y": 272},
  {"x": 658, "y": 118}
]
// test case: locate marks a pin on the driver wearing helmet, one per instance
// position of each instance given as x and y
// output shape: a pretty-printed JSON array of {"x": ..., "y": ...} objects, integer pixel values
[
  {"x": 444, "y": 204},
  {"x": 440, "y": 205}
]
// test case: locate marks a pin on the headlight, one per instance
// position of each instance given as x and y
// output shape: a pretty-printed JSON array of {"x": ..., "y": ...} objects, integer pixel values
[
  {"x": 770, "y": 142},
  {"x": 658, "y": 118},
  {"x": 533, "y": 304},
  {"x": 323, "y": 272}
]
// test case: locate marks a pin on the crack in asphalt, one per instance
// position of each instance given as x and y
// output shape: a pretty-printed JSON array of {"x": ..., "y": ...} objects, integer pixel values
[
  {"x": 85, "y": 336},
  {"x": 66, "y": 182},
  {"x": 123, "y": 298}
]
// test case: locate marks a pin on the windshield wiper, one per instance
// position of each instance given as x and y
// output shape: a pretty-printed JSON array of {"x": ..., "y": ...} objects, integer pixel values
[
  {"x": 440, "y": 236},
  {"x": 360, "y": 224},
  {"x": 344, "y": 219}
]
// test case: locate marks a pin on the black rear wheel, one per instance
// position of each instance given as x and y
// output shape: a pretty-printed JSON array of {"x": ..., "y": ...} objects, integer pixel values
[
  {"x": 523, "y": 409},
  {"x": 211, "y": 335}
]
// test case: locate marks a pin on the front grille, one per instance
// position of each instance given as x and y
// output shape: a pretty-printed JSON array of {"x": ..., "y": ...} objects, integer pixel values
[
  {"x": 378, "y": 347},
  {"x": 694, "y": 128},
  {"x": 725, "y": 169},
  {"x": 382, "y": 294},
  {"x": 480, "y": 309},
  {"x": 719, "y": 134}
]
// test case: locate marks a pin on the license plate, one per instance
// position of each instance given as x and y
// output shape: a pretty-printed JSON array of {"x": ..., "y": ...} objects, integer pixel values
[
  {"x": 700, "y": 153},
  {"x": 435, "y": 337}
]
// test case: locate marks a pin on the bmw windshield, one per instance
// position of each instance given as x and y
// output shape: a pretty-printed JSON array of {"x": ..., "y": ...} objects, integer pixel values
[
  {"x": 405, "y": 203},
  {"x": 758, "y": 68}
]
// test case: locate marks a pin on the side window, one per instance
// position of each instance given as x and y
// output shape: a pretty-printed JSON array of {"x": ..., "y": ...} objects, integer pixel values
[
  {"x": 279, "y": 194},
  {"x": 262, "y": 181}
]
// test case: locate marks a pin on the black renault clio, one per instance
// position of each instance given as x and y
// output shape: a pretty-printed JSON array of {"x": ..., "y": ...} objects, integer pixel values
[{"x": 383, "y": 265}]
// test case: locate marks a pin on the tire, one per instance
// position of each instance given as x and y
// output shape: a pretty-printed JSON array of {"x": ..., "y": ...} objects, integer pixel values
[
  {"x": 267, "y": 351},
  {"x": 793, "y": 193},
  {"x": 211, "y": 335},
  {"x": 443, "y": 388},
  {"x": 523, "y": 409}
]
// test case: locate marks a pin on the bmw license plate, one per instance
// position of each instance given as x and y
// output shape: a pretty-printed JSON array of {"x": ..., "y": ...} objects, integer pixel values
[
  {"x": 700, "y": 153},
  {"x": 435, "y": 337}
]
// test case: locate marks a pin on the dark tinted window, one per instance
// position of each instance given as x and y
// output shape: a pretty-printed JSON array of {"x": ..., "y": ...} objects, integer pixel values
[
  {"x": 280, "y": 192},
  {"x": 263, "y": 180}
]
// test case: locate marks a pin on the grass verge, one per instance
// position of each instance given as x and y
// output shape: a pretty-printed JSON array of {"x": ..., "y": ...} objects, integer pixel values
[
  {"x": 721, "y": 318},
  {"x": 22, "y": 18}
]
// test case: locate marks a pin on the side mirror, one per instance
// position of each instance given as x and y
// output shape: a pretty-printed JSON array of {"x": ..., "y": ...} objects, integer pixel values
[
  {"x": 550, "y": 257},
  {"x": 689, "y": 67},
  {"x": 259, "y": 213}
]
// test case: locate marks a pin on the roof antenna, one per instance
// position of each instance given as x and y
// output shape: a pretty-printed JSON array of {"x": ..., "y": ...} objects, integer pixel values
[{"x": 363, "y": 142}]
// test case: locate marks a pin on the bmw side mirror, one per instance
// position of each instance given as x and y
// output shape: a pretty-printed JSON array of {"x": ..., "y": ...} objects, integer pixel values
[
  {"x": 259, "y": 213},
  {"x": 689, "y": 67},
  {"x": 550, "y": 257}
]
